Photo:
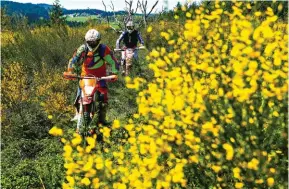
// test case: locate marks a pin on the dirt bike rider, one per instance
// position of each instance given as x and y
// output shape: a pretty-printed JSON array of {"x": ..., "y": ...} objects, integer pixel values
[
  {"x": 130, "y": 37},
  {"x": 93, "y": 57}
]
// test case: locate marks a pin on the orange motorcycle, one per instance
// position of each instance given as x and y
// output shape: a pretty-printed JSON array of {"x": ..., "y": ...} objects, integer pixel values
[
  {"x": 88, "y": 100},
  {"x": 126, "y": 63}
]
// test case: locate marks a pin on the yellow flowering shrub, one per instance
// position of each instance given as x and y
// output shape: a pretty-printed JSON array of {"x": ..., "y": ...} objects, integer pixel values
[
  {"x": 50, "y": 91},
  {"x": 15, "y": 82},
  {"x": 14, "y": 88},
  {"x": 214, "y": 114},
  {"x": 6, "y": 37}
]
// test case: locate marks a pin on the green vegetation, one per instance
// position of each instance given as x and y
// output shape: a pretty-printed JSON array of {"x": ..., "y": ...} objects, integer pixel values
[{"x": 36, "y": 98}]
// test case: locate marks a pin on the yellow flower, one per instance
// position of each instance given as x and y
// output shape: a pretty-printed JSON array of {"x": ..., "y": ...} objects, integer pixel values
[
  {"x": 116, "y": 124},
  {"x": 106, "y": 132},
  {"x": 121, "y": 186},
  {"x": 229, "y": 151},
  {"x": 70, "y": 180},
  {"x": 184, "y": 8},
  {"x": 270, "y": 181},
  {"x": 259, "y": 181},
  {"x": 280, "y": 7},
  {"x": 276, "y": 114},
  {"x": 179, "y": 103},
  {"x": 248, "y": 6},
  {"x": 177, "y": 177},
  {"x": 50, "y": 117},
  {"x": 127, "y": 79},
  {"x": 149, "y": 29},
  {"x": 272, "y": 170},
  {"x": 88, "y": 165},
  {"x": 99, "y": 166},
  {"x": 76, "y": 140},
  {"x": 155, "y": 53},
  {"x": 85, "y": 181},
  {"x": 236, "y": 172},
  {"x": 95, "y": 182},
  {"x": 63, "y": 140},
  {"x": 91, "y": 141},
  {"x": 194, "y": 159},
  {"x": 56, "y": 131},
  {"x": 165, "y": 35},
  {"x": 253, "y": 164},
  {"x": 258, "y": 14},
  {"x": 216, "y": 168},
  {"x": 239, "y": 185},
  {"x": 66, "y": 186}
]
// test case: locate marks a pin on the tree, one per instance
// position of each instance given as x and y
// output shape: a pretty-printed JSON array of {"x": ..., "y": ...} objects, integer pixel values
[
  {"x": 5, "y": 20},
  {"x": 56, "y": 14}
]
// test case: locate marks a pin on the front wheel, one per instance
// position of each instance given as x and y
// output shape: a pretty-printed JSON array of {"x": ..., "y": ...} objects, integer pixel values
[
  {"x": 122, "y": 67},
  {"x": 84, "y": 120},
  {"x": 128, "y": 66}
]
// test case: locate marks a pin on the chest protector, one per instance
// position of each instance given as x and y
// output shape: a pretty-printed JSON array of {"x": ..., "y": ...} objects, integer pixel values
[
  {"x": 130, "y": 40},
  {"x": 94, "y": 63}
]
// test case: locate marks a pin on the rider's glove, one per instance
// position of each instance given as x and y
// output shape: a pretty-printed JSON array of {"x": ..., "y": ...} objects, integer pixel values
[
  {"x": 70, "y": 70},
  {"x": 115, "y": 78},
  {"x": 68, "y": 75}
]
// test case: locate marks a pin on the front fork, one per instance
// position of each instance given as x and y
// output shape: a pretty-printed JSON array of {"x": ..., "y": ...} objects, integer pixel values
[
  {"x": 128, "y": 65},
  {"x": 85, "y": 123},
  {"x": 85, "y": 117},
  {"x": 122, "y": 63}
]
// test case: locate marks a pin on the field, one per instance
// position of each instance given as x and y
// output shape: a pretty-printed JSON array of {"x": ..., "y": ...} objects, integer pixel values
[
  {"x": 81, "y": 18},
  {"x": 206, "y": 105}
]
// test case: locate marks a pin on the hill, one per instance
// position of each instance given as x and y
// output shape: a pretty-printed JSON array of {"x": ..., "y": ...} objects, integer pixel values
[
  {"x": 31, "y": 11},
  {"x": 41, "y": 11}
]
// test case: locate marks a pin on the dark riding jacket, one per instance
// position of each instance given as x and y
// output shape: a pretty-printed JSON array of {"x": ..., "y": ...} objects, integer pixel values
[{"x": 129, "y": 39}]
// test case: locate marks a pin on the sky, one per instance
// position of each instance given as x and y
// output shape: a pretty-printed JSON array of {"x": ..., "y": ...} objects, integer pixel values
[{"x": 97, "y": 4}]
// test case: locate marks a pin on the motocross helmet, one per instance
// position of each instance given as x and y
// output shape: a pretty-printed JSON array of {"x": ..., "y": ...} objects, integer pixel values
[
  {"x": 92, "y": 38},
  {"x": 130, "y": 26}
]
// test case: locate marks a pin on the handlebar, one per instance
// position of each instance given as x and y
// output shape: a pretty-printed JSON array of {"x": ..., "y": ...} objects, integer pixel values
[
  {"x": 69, "y": 75},
  {"x": 137, "y": 48}
]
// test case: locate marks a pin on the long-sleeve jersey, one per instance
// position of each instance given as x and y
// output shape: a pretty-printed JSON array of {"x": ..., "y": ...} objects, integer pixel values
[
  {"x": 130, "y": 39},
  {"x": 94, "y": 62}
]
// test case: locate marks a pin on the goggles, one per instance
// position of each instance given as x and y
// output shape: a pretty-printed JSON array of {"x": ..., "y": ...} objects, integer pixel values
[{"x": 93, "y": 44}]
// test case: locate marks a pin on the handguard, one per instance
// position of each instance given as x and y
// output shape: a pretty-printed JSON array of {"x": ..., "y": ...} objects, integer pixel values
[
  {"x": 69, "y": 75},
  {"x": 114, "y": 78}
]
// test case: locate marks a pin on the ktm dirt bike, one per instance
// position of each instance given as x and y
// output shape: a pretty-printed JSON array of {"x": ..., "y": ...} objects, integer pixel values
[
  {"x": 89, "y": 104},
  {"x": 126, "y": 64}
]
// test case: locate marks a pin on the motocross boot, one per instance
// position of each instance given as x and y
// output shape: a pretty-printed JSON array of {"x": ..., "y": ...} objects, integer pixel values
[{"x": 102, "y": 114}]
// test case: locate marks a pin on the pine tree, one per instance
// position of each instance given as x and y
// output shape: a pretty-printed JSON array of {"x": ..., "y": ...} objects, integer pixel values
[{"x": 56, "y": 14}]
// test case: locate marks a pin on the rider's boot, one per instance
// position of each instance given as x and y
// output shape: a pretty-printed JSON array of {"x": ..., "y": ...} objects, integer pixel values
[{"x": 102, "y": 114}]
